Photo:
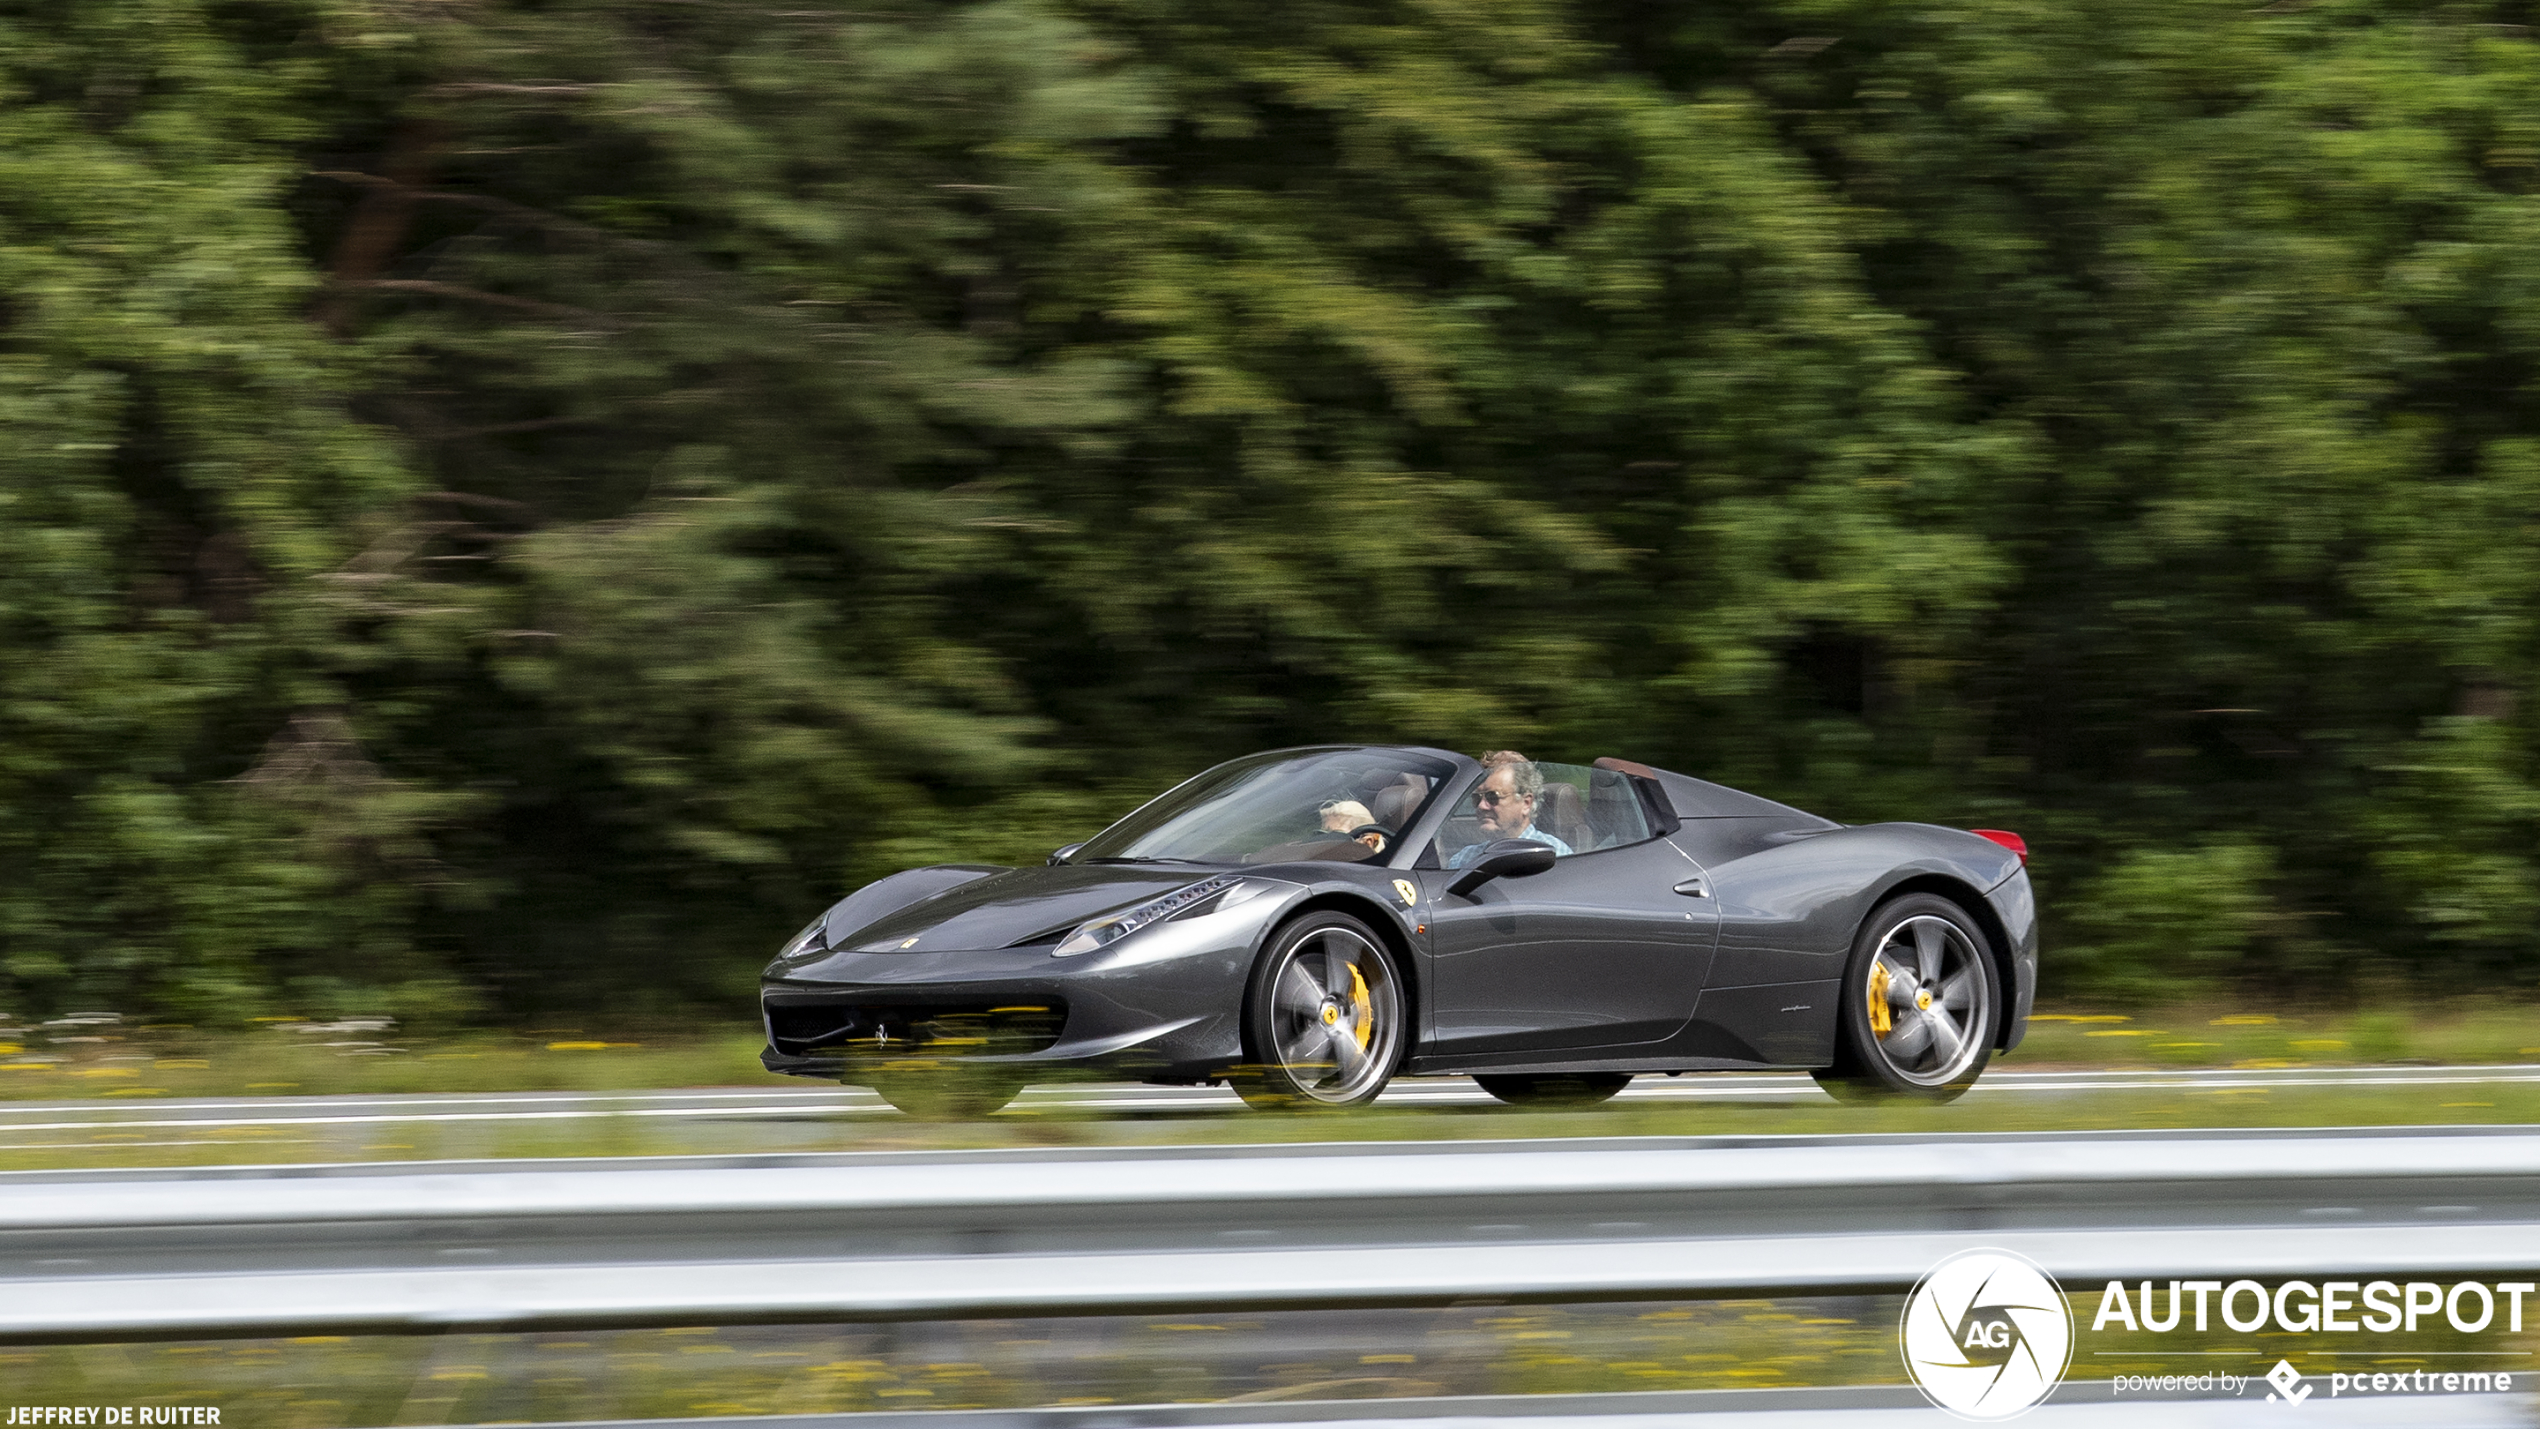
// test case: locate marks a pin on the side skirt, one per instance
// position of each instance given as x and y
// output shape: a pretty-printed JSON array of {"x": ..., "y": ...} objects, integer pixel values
[{"x": 1440, "y": 1067}]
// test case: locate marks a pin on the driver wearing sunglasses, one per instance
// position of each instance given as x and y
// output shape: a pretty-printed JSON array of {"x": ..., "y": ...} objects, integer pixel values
[{"x": 1504, "y": 808}]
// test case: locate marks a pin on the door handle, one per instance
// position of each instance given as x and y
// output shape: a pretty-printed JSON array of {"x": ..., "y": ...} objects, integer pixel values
[{"x": 1694, "y": 888}]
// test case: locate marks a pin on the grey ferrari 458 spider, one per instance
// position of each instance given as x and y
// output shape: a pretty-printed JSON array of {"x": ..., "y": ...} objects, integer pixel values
[{"x": 1310, "y": 923}]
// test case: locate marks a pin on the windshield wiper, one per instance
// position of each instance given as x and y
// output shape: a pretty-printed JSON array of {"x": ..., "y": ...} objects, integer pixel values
[{"x": 1129, "y": 859}]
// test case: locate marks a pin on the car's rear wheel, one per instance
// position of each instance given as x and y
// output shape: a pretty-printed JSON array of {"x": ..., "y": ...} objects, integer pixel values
[
  {"x": 1324, "y": 1017},
  {"x": 947, "y": 1093},
  {"x": 1920, "y": 1004},
  {"x": 1549, "y": 1090}
]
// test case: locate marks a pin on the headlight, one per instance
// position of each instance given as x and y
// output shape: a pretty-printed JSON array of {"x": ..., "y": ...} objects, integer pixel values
[
  {"x": 814, "y": 939},
  {"x": 1206, "y": 896}
]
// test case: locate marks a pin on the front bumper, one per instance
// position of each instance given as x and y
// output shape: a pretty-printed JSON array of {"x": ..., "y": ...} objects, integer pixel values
[{"x": 1164, "y": 1004}]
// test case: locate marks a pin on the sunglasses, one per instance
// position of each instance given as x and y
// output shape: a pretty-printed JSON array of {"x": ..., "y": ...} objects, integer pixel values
[{"x": 1493, "y": 796}]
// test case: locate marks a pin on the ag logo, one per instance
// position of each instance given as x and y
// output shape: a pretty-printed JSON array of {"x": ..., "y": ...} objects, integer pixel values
[{"x": 1987, "y": 1335}]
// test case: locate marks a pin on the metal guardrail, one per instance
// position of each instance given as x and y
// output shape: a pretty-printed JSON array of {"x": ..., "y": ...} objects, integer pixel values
[{"x": 883, "y": 1237}]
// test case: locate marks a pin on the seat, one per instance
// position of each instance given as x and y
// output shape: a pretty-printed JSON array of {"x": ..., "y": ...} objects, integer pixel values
[
  {"x": 1394, "y": 804},
  {"x": 1614, "y": 814},
  {"x": 1460, "y": 833},
  {"x": 1564, "y": 816}
]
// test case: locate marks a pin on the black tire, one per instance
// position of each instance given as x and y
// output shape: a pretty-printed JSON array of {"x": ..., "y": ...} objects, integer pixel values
[
  {"x": 1561, "y": 1089},
  {"x": 948, "y": 1094},
  {"x": 1934, "y": 1046},
  {"x": 1325, "y": 1018}
]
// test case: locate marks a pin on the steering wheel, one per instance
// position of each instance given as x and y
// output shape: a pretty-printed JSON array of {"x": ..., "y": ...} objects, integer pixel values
[{"x": 1384, "y": 836}]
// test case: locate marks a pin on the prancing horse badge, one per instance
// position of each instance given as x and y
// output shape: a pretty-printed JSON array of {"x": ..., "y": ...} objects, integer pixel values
[{"x": 1410, "y": 895}]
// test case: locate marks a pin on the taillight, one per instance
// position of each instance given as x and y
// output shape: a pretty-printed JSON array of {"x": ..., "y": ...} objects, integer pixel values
[{"x": 2007, "y": 839}]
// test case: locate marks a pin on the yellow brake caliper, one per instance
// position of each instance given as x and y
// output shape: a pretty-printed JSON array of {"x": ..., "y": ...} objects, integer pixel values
[
  {"x": 1880, "y": 1020},
  {"x": 1360, "y": 1008}
]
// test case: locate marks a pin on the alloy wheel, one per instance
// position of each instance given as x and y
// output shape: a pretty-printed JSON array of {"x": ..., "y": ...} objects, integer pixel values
[
  {"x": 1334, "y": 1017},
  {"x": 1928, "y": 1000}
]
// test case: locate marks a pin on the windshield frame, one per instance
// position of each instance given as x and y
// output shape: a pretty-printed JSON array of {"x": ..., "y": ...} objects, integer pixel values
[{"x": 1446, "y": 772}]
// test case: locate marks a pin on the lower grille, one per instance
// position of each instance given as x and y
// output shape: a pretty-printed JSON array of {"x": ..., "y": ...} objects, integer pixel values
[{"x": 812, "y": 1024}]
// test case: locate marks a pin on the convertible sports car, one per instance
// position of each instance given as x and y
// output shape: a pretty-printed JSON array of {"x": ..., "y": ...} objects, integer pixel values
[{"x": 1310, "y": 923}]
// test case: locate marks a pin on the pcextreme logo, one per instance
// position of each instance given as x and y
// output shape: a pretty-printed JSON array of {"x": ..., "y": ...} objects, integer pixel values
[
  {"x": 2286, "y": 1378},
  {"x": 1986, "y": 1335}
]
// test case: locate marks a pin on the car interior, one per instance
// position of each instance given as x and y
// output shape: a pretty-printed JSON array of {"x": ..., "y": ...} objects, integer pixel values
[
  {"x": 1588, "y": 809},
  {"x": 1392, "y": 798}
]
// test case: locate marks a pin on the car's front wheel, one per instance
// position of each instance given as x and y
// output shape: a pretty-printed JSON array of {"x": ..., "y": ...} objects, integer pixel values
[
  {"x": 1324, "y": 1016},
  {"x": 1555, "y": 1090},
  {"x": 1919, "y": 1006}
]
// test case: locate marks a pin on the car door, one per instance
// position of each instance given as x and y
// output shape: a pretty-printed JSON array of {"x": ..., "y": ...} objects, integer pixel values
[
  {"x": 1788, "y": 903},
  {"x": 1600, "y": 951}
]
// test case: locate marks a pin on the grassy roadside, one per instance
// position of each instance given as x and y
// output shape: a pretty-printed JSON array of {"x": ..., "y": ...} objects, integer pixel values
[
  {"x": 2486, "y": 1032},
  {"x": 101, "y": 1055},
  {"x": 1268, "y": 1358},
  {"x": 104, "y": 1056}
]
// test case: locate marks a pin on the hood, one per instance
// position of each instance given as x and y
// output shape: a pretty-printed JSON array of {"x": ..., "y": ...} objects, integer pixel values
[{"x": 1019, "y": 904}]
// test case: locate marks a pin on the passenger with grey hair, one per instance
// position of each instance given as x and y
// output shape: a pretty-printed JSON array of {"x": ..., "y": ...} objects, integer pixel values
[{"x": 1504, "y": 807}]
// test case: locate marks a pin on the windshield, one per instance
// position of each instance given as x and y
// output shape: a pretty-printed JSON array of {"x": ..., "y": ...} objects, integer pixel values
[{"x": 1345, "y": 805}]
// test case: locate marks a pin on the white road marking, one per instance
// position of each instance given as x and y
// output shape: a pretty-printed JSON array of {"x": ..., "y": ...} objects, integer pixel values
[{"x": 216, "y": 1113}]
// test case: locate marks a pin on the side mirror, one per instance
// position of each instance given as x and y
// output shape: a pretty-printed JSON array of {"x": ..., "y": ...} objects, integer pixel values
[
  {"x": 1059, "y": 856},
  {"x": 1503, "y": 858}
]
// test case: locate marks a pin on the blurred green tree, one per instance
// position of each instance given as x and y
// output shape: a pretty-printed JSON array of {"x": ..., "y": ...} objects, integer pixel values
[{"x": 506, "y": 506}]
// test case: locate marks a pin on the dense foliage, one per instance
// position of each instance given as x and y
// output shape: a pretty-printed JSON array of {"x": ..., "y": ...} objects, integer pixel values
[{"x": 508, "y": 505}]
